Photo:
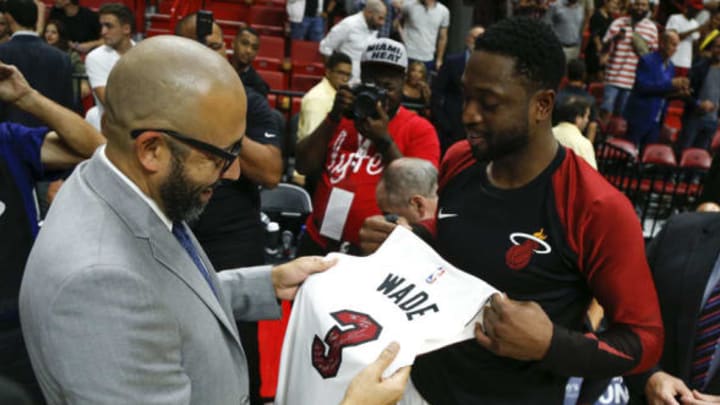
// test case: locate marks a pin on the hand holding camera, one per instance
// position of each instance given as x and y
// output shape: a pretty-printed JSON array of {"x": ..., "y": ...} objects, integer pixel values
[{"x": 344, "y": 99}]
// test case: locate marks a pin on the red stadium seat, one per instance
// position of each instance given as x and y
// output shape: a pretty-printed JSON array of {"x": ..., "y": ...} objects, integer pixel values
[
  {"x": 152, "y": 31},
  {"x": 268, "y": 20},
  {"x": 272, "y": 100},
  {"x": 696, "y": 158},
  {"x": 626, "y": 146},
  {"x": 261, "y": 63},
  {"x": 658, "y": 154},
  {"x": 310, "y": 70},
  {"x": 305, "y": 52},
  {"x": 715, "y": 145},
  {"x": 276, "y": 80},
  {"x": 617, "y": 126},
  {"x": 296, "y": 101},
  {"x": 271, "y": 47},
  {"x": 303, "y": 82}
]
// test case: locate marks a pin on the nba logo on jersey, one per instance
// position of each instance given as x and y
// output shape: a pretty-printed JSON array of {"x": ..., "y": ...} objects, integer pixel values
[{"x": 432, "y": 278}]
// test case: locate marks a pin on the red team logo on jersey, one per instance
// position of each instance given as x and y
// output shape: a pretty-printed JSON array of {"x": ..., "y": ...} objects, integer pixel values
[
  {"x": 519, "y": 255},
  {"x": 363, "y": 329}
]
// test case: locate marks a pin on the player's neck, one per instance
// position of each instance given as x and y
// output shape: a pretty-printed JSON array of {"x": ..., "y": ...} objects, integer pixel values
[{"x": 522, "y": 167}]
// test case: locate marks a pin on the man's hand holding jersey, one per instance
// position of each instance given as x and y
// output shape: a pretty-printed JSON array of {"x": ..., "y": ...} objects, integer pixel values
[
  {"x": 286, "y": 278},
  {"x": 375, "y": 230},
  {"x": 369, "y": 388},
  {"x": 517, "y": 329}
]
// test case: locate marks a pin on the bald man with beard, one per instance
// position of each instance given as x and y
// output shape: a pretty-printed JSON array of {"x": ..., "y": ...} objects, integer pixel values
[{"x": 119, "y": 304}]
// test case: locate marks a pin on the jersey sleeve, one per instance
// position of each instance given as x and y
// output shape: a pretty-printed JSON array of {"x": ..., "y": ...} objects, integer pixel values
[{"x": 608, "y": 240}]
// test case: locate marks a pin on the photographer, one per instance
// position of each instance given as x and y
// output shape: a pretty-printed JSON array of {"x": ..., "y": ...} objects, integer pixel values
[{"x": 365, "y": 130}]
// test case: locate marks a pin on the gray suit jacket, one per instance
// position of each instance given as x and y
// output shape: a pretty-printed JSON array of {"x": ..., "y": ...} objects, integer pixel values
[{"x": 114, "y": 311}]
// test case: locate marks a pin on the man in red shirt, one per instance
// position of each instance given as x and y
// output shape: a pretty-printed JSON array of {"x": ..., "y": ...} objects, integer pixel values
[{"x": 349, "y": 155}]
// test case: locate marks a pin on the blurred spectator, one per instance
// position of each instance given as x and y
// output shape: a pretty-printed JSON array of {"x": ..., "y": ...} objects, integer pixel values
[
  {"x": 4, "y": 29},
  {"x": 688, "y": 30},
  {"x": 700, "y": 117},
  {"x": 571, "y": 116},
  {"x": 446, "y": 97},
  {"x": 655, "y": 81},
  {"x": 425, "y": 31},
  {"x": 83, "y": 24},
  {"x": 599, "y": 24},
  {"x": 627, "y": 39},
  {"x": 416, "y": 90},
  {"x": 351, "y": 35},
  {"x": 228, "y": 227},
  {"x": 47, "y": 69},
  {"x": 318, "y": 101},
  {"x": 56, "y": 36},
  {"x": 29, "y": 155},
  {"x": 245, "y": 49},
  {"x": 306, "y": 19},
  {"x": 575, "y": 87},
  {"x": 118, "y": 24},
  {"x": 349, "y": 155},
  {"x": 709, "y": 32},
  {"x": 567, "y": 19},
  {"x": 408, "y": 188},
  {"x": 391, "y": 28}
]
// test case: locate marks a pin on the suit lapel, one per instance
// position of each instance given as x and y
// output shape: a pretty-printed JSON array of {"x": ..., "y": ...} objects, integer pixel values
[
  {"x": 695, "y": 276},
  {"x": 145, "y": 224}
]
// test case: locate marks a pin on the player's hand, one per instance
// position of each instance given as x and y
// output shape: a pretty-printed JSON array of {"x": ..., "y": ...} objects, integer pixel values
[
  {"x": 517, "y": 329},
  {"x": 662, "y": 388},
  {"x": 13, "y": 85},
  {"x": 698, "y": 398},
  {"x": 343, "y": 100},
  {"x": 369, "y": 388},
  {"x": 375, "y": 128},
  {"x": 375, "y": 230},
  {"x": 286, "y": 278},
  {"x": 680, "y": 82}
]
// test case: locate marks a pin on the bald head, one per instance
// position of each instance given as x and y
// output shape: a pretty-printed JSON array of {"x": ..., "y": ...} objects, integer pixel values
[
  {"x": 375, "y": 13},
  {"x": 174, "y": 83}
]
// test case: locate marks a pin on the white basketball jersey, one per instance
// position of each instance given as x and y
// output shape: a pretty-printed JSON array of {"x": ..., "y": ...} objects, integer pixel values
[{"x": 344, "y": 317}]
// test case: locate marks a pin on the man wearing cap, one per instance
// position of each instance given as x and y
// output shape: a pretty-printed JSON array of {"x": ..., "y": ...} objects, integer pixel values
[
  {"x": 688, "y": 30},
  {"x": 349, "y": 155}
]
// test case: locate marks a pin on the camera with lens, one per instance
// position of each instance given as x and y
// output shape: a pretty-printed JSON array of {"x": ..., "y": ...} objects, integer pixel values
[{"x": 366, "y": 99}]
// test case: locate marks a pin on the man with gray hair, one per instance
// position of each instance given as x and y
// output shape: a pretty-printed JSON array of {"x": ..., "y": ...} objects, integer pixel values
[
  {"x": 408, "y": 188},
  {"x": 352, "y": 35}
]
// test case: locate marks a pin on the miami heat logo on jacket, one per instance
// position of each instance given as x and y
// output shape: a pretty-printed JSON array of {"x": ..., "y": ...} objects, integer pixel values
[{"x": 524, "y": 246}]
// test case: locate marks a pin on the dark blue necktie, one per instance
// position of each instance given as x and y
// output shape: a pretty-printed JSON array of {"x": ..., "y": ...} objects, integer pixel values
[{"x": 182, "y": 236}]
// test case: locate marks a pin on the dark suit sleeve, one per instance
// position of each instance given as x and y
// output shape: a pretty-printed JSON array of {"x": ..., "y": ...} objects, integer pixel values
[
  {"x": 67, "y": 98},
  {"x": 437, "y": 99},
  {"x": 648, "y": 84}
]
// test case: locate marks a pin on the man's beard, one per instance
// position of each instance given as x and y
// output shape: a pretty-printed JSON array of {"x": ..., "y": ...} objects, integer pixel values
[
  {"x": 501, "y": 144},
  {"x": 181, "y": 199}
]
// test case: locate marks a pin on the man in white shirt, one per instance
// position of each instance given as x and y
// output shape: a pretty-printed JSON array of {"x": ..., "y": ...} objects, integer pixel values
[
  {"x": 352, "y": 35},
  {"x": 688, "y": 30},
  {"x": 118, "y": 23},
  {"x": 425, "y": 31}
]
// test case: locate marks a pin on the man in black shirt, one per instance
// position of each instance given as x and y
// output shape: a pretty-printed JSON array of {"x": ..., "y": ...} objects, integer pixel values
[
  {"x": 230, "y": 226},
  {"x": 245, "y": 48},
  {"x": 81, "y": 23}
]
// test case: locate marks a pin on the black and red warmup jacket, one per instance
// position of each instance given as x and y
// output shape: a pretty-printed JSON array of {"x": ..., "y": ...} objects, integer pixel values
[{"x": 562, "y": 239}]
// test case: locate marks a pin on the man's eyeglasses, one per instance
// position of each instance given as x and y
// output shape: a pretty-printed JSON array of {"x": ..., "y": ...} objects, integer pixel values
[{"x": 228, "y": 156}]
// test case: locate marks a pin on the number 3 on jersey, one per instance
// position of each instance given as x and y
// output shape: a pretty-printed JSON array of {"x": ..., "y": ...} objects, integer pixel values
[{"x": 362, "y": 329}]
